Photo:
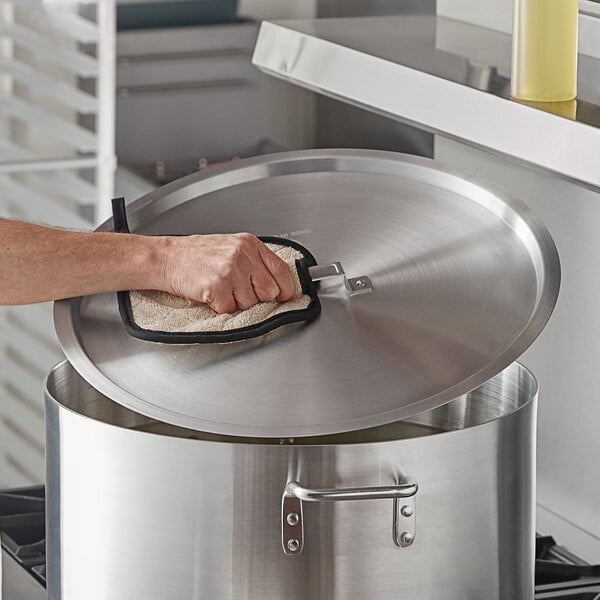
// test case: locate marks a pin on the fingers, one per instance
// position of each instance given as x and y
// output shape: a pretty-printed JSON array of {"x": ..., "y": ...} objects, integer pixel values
[
  {"x": 280, "y": 272},
  {"x": 222, "y": 301},
  {"x": 245, "y": 296},
  {"x": 264, "y": 285},
  {"x": 228, "y": 272},
  {"x": 260, "y": 276}
]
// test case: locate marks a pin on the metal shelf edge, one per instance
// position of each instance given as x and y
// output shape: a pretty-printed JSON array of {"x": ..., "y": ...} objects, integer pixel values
[{"x": 468, "y": 115}]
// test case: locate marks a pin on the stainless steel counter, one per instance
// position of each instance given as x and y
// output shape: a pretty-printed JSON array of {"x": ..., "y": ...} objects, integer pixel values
[{"x": 443, "y": 76}]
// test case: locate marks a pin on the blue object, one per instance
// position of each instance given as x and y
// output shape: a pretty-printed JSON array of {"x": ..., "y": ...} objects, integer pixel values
[{"x": 180, "y": 13}]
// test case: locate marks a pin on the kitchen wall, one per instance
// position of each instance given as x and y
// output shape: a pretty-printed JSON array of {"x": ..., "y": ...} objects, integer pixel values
[
  {"x": 566, "y": 355},
  {"x": 179, "y": 92},
  {"x": 497, "y": 14},
  {"x": 340, "y": 125},
  {"x": 191, "y": 94}
]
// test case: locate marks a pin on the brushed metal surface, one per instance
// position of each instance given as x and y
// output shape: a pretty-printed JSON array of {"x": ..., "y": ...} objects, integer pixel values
[
  {"x": 463, "y": 281},
  {"x": 137, "y": 515}
]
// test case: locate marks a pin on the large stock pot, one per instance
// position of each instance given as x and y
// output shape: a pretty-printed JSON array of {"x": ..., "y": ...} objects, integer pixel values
[
  {"x": 138, "y": 509},
  {"x": 384, "y": 451}
]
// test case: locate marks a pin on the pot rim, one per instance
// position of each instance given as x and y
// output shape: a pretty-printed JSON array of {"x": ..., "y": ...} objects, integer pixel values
[{"x": 240, "y": 441}]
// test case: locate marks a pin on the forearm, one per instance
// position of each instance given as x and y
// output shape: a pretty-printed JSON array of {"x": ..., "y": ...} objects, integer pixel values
[
  {"x": 226, "y": 271},
  {"x": 40, "y": 263}
]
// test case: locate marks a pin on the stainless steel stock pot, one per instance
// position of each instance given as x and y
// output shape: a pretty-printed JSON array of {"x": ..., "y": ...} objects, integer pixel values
[{"x": 384, "y": 451}]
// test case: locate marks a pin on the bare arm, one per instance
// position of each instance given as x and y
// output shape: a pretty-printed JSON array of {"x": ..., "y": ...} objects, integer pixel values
[{"x": 226, "y": 271}]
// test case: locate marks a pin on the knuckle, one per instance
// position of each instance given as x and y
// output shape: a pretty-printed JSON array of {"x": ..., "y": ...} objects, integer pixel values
[
  {"x": 282, "y": 269},
  {"x": 270, "y": 292},
  {"x": 207, "y": 296},
  {"x": 265, "y": 287},
  {"x": 246, "y": 237},
  {"x": 243, "y": 242},
  {"x": 224, "y": 306},
  {"x": 264, "y": 296},
  {"x": 244, "y": 305},
  {"x": 239, "y": 247},
  {"x": 225, "y": 270},
  {"x": 210, "y": 290}
]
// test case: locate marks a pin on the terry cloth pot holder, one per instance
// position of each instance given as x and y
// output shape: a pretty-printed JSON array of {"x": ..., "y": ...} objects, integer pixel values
[{"x": 161, "y": 317}]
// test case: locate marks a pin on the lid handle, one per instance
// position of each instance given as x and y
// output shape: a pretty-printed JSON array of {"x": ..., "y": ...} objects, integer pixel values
[{"x": 353, "y": 285}]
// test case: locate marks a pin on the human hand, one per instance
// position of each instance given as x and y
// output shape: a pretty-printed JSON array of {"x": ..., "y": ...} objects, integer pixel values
[{"x": 228, "y": 272}]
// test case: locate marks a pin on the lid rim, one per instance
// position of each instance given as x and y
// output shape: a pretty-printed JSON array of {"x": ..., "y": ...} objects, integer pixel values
[{"x": 66, "y": 311}]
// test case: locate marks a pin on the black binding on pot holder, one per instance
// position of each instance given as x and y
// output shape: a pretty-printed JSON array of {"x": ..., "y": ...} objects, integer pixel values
[{"x": 309, "y": 288}]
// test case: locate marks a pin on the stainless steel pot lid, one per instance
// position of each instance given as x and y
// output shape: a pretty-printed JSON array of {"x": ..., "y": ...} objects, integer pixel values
[{"x": 463, "y": 282}]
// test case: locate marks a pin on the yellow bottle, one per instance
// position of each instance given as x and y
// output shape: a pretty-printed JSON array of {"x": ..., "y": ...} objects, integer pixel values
[{"x": 544, "y": 53}]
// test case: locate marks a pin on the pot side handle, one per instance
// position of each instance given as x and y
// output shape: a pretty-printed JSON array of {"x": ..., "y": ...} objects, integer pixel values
[{"x": 292, "y": 520}]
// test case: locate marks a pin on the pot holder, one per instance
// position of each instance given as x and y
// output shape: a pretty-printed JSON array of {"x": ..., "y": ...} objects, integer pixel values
[{"x": 161, "y": 317}]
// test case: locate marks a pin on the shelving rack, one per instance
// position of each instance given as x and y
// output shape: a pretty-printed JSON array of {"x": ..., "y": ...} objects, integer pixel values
[{"x": 57, "y": 165}]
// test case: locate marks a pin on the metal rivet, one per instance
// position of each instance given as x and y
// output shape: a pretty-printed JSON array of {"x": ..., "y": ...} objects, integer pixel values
[
  {"x": 407, "y": 511},
  {"x": 359, "y": 283},
  {"x": 293, "y": 545},
  {"x": 407, "y": 538},
  {"x": 293, "y": 519}
]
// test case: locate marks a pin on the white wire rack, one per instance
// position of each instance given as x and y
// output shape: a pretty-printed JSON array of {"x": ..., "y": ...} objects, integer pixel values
[{"x": 57, "y": 166}]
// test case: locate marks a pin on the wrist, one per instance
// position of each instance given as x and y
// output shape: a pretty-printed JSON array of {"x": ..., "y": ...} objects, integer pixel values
[
  {"x": 139, "y": 263},
  {"x": 147, "y": 267}
]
